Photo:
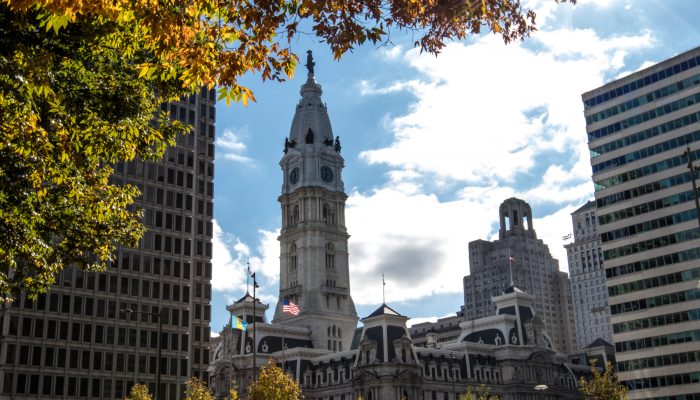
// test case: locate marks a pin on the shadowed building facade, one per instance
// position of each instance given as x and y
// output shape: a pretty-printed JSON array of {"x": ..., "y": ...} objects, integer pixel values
[{"x": 76, "y": 342}]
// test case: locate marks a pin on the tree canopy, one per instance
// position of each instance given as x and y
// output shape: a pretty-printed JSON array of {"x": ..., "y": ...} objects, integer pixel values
[
  {"x": 215, "y": 42},
  {"x": 603, "y": 386},
  {"x": 81, "y": 82},
  {"x": 274, "y": 384}
]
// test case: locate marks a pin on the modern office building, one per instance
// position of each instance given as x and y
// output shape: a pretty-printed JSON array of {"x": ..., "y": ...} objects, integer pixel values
[
  {"x": 638, "y": 129},
  {"x": 588, "y": 291},
  {"x": 94, "y": 334},
  {"x": 519, "y": 258}
]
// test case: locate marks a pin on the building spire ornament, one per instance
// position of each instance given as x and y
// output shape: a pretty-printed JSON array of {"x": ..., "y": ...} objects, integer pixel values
[{"x": 310, "y": 62}]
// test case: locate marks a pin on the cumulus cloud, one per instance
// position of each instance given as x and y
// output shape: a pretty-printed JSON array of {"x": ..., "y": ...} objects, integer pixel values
[
  {"x": 231, "y": 144},
  {"x": 231, "y": 258},
  {"x": 488, "y": 122},
  {"x": 228, "y": 261}
]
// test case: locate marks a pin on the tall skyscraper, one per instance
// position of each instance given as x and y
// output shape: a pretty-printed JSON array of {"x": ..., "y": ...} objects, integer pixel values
[
  {"x": 94, "y": 334},
  {"x": 519, "y": 258},
  {"x": 638, "y": 129},
  {"x": 589, "y": 294}
]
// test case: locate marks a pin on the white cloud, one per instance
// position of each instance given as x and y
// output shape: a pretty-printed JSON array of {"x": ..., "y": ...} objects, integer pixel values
[
  {"x": 485, "y": 111},
  {"x": 231, "y": 258},
  {"x": 231, "y": 144},
  {"x": 228, "y": 261}
]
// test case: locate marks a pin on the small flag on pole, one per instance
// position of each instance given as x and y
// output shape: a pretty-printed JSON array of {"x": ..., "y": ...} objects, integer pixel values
[
  {"x": 240, "y": 324},
  {"x": 289, "y": 307}
]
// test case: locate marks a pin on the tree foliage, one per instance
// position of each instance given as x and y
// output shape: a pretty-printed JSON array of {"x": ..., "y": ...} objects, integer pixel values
[
  {"x": 71, "y": 107},
  {"x": 139, "y": 392},
  {"x": 197, "y": 390},
  {"x": 603, "y": 386},
  {"x": 215, "y": 42},
  {"x": 482, "y": 392},
  {"x": 274, "y": 384}
]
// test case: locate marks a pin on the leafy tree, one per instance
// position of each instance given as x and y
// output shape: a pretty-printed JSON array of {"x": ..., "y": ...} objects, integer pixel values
[
  {"x": 81, "y": 80},
  {"x": 207, "y": 42},
  {"x": 274, "y": 384},
  {"x": 197, "y": 390},
  {"x": 603, "y": 386},
  {"x": 482, "y": 392},
  {"x": 139, "y": 392},
  {"x": 72, "y": 106}
]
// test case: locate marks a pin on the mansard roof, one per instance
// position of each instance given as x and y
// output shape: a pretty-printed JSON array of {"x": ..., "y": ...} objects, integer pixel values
[{"x": 384, "y": 310}]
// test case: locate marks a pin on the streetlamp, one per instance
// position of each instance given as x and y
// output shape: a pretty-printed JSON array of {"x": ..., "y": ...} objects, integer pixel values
[
  {"x": 255, "y": 317},
  {"x": 159, "y": 314},
  {"x": 541, "y": 387},
  {"x": 692, "y": 169}
]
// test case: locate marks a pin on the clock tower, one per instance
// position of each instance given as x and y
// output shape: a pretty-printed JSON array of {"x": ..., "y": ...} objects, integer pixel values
[{"x": 314, "y": 269}]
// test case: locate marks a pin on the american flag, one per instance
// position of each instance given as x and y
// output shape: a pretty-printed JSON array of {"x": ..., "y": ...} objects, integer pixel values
[{"x": 289, "y": 307}]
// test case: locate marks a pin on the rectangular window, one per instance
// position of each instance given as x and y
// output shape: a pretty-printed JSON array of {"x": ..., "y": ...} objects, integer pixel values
[{"x": 48, "y": 357}]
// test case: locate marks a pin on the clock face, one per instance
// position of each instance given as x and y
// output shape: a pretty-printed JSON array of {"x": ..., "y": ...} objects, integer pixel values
[
  {"x": 294, "y": 176},
  {"x": 326, "y": 174}
]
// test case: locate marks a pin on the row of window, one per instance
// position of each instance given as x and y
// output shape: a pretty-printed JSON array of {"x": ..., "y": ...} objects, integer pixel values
[
  {"x": 646, "y": 116},
  {"x": 654, "y": 262},
  {"x": 659, "y": 361},
  {"x": 658, "y": 320},
  {"x": 646, "y": 226},
  {"x": 642, "y": 190},
  {"x": 176, "y": 200},
  {"x": 642, "y": 82},
  {"x": 654, "y": 243},
  {"x": 662, "y": 381},
  {"x": 141, "y": 264},
  {"x": 646, "y": 170},
  {"x": 99, "y": 334},
  {"x": 49, "y": 357},
  {"x": 644, "y": 208},
  {"x": 175, "y": 245},
  {"x": 648, "y": 283},
  {"x": 644, "y": 99},
  {"x": 656, "y": 301},
  {"x": 656, "y": 341},
  {"x": 686, "y": 396},
  {"x": 59, "y": 386},
  {"x": 668, "y": 145},
  {"x": 642, "y": 135},
  {"x": 173, "y": 222}
]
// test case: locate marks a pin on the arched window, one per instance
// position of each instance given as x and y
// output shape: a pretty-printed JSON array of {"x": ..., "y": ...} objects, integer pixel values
[
  {"x": 330, "y": 257},
  {"x": 295, "y": 215},
  {"x": 328, "y": 214},
  {"x": 293, "y": 257}
]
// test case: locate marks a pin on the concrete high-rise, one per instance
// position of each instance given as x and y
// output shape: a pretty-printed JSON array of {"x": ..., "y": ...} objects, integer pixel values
[
  {"x": 518, "y": 258},
  {"x": 638, "y": 129},
  {"x": 589, "y": 294},
  {"x": 77, "y": 342}
]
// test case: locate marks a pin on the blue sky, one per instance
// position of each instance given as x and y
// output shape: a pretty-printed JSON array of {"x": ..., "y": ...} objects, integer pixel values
[{"x": 432, "y": 146}]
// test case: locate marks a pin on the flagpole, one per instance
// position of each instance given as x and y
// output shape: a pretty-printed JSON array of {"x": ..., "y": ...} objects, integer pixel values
[
  {"x": 383, "y": 290},
  {"x": 510, "y": 267},
  {"x": 284, "y": 369}
]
